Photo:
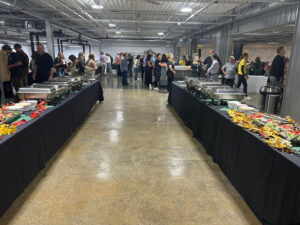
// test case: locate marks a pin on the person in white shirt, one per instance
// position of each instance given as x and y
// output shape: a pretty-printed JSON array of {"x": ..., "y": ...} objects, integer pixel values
[
  {"x": 136, "y": 64},
  {"x": 103, "y": 59},
  {"x": 108, "y": 64},
  {"x": 214, "y": 69}
]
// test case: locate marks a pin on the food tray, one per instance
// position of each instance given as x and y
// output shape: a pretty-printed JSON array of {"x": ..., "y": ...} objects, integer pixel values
[
  {"x": 37, "y": 93},
  {"x": 66, "y": 85},
  {"x": 227, "y": 96},
  {"x": 15, "y": 116}
]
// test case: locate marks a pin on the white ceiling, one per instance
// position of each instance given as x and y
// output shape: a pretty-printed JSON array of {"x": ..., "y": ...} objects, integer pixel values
[{"x": 135, "y": 19}]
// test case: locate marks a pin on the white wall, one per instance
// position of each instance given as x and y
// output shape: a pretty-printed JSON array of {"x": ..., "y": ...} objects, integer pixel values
[
  {"x": 135, "y": 47},
  {"x": 114, "y": 46}
]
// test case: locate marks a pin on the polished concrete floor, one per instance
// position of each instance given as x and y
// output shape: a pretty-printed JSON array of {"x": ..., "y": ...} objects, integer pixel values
[{"x": 133, "y": 162}]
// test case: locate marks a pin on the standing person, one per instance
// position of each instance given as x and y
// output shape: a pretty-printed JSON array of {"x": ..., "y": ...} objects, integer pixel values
[
  {"x": 208, "y": 61},
  {"x": 60, "y": 64},
  {"x": 171, "y": 71},
  {"x": 118, "y": 62},
  {"x": 136, "y": 67},
  {"x": 163, "y": 81},
  {"x": 148, "y": 71},
  {"x": 15, "y": 68},
  {"x": 230, "y": 70},
  {"x": 25, "y": 63},
  {"x": 81, "y": 63},
  {"x": 44, "y": 65},
  {"x": 91, "y": 67},
  {"x": 130, "y": 64},
  {"x": 277, "y": 68},
  {"x": 257, "y": 66},
  {"x": 189, "y": 61},
  {"x": 242, "y": 74},
  {"x": 124, "y": 69},
  {"x": 213, "y": 70},
  {"x": 103, "y": 60},
  {"x": 108, "y": 64},
  {"x": 142, "y": 67},
  {"x": 6, "y": 78},
  {"x": 183, "y": 61},
  {"x": 157, "y": 70}
]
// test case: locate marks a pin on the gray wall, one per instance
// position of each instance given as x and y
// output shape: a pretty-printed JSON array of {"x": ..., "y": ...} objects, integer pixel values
[{"x": 291, "y": 100}]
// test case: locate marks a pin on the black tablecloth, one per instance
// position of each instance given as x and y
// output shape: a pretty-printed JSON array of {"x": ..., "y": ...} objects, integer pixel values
[
  {"x": 267, "y": 179},
  {"x": 24, "y": 154}
]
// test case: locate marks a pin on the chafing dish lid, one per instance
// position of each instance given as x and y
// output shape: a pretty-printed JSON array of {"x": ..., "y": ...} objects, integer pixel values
[{"x": 28, "y": 90}]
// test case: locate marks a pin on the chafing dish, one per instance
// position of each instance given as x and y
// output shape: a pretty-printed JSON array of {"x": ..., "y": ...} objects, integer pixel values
[
  {"x": 58, "y": 87},
  {"x": 227, "y": 94},
  {"x": 75, "y": 81},
  {"x": 37, "y": 93},
  {"x": 66, "y": 85}
]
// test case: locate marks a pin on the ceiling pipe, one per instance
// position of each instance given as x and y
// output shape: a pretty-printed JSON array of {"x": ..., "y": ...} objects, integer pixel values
[
  {"x": 62, "y": 45},
  {"x": 199, "y": 11},
  {"x": 255, "y": 13},
  {"x": 20, "y": 9}
]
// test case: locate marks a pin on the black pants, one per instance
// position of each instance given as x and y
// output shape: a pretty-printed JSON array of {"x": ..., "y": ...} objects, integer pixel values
[
  {"x": 229, "y": 82},
  {"x": 243, "y": 81},
  {"x": 142, "y": 72},
  {"x": 170, "y": 80},
  {"x": 8, "y": 89},
  {"x": 148, "y": 76},
  {"x": 119, "y": 70},
  {"x": 157, "y": 78}
]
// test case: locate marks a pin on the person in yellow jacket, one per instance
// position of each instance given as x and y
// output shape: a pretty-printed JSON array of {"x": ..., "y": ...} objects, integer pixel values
[
  {"x": 182, "y": 61},
  {"x": 242, "y": 74}
]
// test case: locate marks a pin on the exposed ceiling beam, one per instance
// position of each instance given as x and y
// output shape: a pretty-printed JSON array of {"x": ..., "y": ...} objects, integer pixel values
[{"x": 143, "y": 21}]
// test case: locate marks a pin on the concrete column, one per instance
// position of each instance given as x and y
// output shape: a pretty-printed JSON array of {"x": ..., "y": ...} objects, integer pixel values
[
  {"x": 50, "y": 41},
  {"x": 291, "y": 102}
]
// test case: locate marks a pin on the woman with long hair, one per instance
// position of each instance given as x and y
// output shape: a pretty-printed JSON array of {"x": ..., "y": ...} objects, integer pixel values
[
  {"x": 91, "y": 67},
  {"x": 171, "y": 71},
  {"x": 80, "y": 65},
  {"x": 148, "y": 71},
  {"x": 136, "y": 67}
]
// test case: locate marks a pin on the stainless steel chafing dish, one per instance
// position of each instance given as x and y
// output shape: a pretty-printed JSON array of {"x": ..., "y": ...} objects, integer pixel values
[
  {"x": 227, "y": 94},
  {"x": 58, "y": 87},
  {"x": 66, "y": 85},
  {"x": 75, "y": 80},
  {"x": 37, "y": 93}
]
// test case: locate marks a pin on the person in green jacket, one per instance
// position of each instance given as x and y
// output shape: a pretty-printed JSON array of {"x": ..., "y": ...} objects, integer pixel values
[{"x": 257, "y": 67}]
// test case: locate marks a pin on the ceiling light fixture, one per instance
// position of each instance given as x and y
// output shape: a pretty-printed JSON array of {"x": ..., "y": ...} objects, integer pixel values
[
  {"x": 97, "y": 6},
  {"x": 112, "y": 25},
  {"x": 118, "y": 32},
  {"x": 186, "y": 10},
  {"x": 160, "y": 33}
]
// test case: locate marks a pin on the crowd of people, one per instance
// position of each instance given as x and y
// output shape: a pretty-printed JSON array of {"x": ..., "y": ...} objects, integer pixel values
[
  {"x": 212, "y": 68},
  {"x": 149, "y": 65},
  {"x": 42, "y": 67}
]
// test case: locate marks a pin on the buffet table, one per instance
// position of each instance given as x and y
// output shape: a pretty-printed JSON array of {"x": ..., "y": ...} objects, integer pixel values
[
  {"x": 267, "y": 179},
  {"x": 24, "y": 154}
]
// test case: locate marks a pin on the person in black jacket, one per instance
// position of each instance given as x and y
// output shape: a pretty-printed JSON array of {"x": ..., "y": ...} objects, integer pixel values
[
  {"x": 208, "y": 61},
  {"x": 277, "y": 68}
]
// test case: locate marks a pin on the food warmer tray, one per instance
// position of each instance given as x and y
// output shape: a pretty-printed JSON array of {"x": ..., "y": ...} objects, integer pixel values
[
  {"x": 58, "y": 87},
  {"x": 66, "y": 85},
  {"x": 227, "y": 94},
  {"x": 15, "y": 116},
  {"x": 182, "y": 68},
  {"x": 213, "y": 89},
  {"x": 37, "y": 93},
  {"x": 74, "y": 80}
]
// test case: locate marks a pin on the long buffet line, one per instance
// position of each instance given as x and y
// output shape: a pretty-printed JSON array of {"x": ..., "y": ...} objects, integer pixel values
[
  {"x": 280, "y": 133},
  {"x": 36, "y": 99}
]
